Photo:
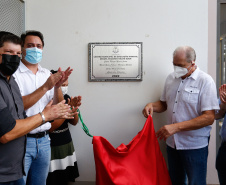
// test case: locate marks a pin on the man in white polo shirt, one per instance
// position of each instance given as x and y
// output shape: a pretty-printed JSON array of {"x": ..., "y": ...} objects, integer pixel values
[
  {"x": 190, "y": 100},
  {"x": 37, "y": 86}
]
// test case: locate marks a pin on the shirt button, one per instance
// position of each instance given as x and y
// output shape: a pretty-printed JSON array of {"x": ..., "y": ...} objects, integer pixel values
[
  {"x": 175, "y": 101},
  {"x": 174, "y": 112}
]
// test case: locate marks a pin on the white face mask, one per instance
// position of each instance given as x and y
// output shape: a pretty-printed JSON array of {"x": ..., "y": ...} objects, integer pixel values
[
  {"x": 180, "y": 71},
  {"x": 64, "y": 89}
]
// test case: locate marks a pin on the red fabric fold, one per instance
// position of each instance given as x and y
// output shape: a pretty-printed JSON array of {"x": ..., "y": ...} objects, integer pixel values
[{"x": 138, "y": 163}]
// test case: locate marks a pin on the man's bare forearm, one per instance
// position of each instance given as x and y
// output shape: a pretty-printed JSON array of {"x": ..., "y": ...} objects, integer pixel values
[
  {"x": 22, "y": 127},
  {"x": 159, "y": 106},
  {"x": 31, "y": 99},
  {"x": 58, "y": 95},
  {"x": 206, "y": 119}
]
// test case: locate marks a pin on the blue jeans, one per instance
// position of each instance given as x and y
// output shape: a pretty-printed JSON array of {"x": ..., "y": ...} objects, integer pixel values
[
  {"x": 187, "y": 165},
  {"x": 37, "y": 160},
  {"x": 221, "y": 163},
  {"x": 17, "y": 182}
]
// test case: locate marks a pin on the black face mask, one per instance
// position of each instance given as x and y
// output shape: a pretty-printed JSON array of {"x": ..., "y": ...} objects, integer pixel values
[{"x": 9, "y": 64}]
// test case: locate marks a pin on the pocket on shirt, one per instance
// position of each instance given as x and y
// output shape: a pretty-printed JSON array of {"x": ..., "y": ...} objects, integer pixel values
[{"x": 190, "y": 95}]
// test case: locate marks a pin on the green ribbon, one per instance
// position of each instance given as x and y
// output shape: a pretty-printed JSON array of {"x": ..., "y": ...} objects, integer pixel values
[{"x": 84, "y": 127}]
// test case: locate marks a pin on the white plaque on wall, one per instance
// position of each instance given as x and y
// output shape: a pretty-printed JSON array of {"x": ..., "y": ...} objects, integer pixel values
[{"x": 116, "y": 61}]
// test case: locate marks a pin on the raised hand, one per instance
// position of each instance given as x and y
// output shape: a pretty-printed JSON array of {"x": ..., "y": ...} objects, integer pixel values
[
  {"x": 52, "y": 80},
  {"x": 65, "y": 74},
  {"x": 75, "y": 101}
]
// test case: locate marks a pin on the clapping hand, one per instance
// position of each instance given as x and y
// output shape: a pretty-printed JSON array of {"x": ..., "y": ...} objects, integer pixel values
[
  {"x": 64, "y": 76},
  {"x": 59, "y": 111},
  {"x": 75, "y": 101}
]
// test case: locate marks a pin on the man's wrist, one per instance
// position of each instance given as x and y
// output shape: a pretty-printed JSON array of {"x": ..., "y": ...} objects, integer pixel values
[
  {"x": 43, "y": 117},
  {"x": 45, "y": 87},
  {"x": 57, "y": 87}
]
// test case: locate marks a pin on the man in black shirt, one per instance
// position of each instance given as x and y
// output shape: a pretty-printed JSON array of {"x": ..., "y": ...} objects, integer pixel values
[{"x": 14, "y": 124}]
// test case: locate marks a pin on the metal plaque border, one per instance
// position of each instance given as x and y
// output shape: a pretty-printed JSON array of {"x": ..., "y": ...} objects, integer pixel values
[{"x": 112, "y": 79}]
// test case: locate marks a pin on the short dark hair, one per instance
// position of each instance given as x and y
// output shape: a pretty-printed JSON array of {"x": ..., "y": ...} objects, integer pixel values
[
  {"x": 2, "y": 33},
  {"x": 33, "y": 33},
  {"x": 9, "y": 37}
]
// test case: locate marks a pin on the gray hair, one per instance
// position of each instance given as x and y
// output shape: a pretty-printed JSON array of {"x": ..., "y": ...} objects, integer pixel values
[{"x": 189, "y": 52}]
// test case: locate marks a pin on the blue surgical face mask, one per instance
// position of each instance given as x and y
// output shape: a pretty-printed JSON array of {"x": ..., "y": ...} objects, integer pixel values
[{"x": 33, "y": 55}]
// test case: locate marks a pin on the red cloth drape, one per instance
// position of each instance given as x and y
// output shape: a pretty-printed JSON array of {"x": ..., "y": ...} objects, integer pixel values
[{"x": 138, "y": 163}]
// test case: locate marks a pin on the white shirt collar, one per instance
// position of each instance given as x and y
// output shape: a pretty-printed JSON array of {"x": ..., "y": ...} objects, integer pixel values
[
  {"x": 195, "y": 74},
  {"x": 24, "y": 68}
]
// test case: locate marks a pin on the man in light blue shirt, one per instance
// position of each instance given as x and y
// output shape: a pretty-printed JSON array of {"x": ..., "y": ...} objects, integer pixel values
[
  {"x": 190, "y": 100},
  {"x": 221, "y": 156}
]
